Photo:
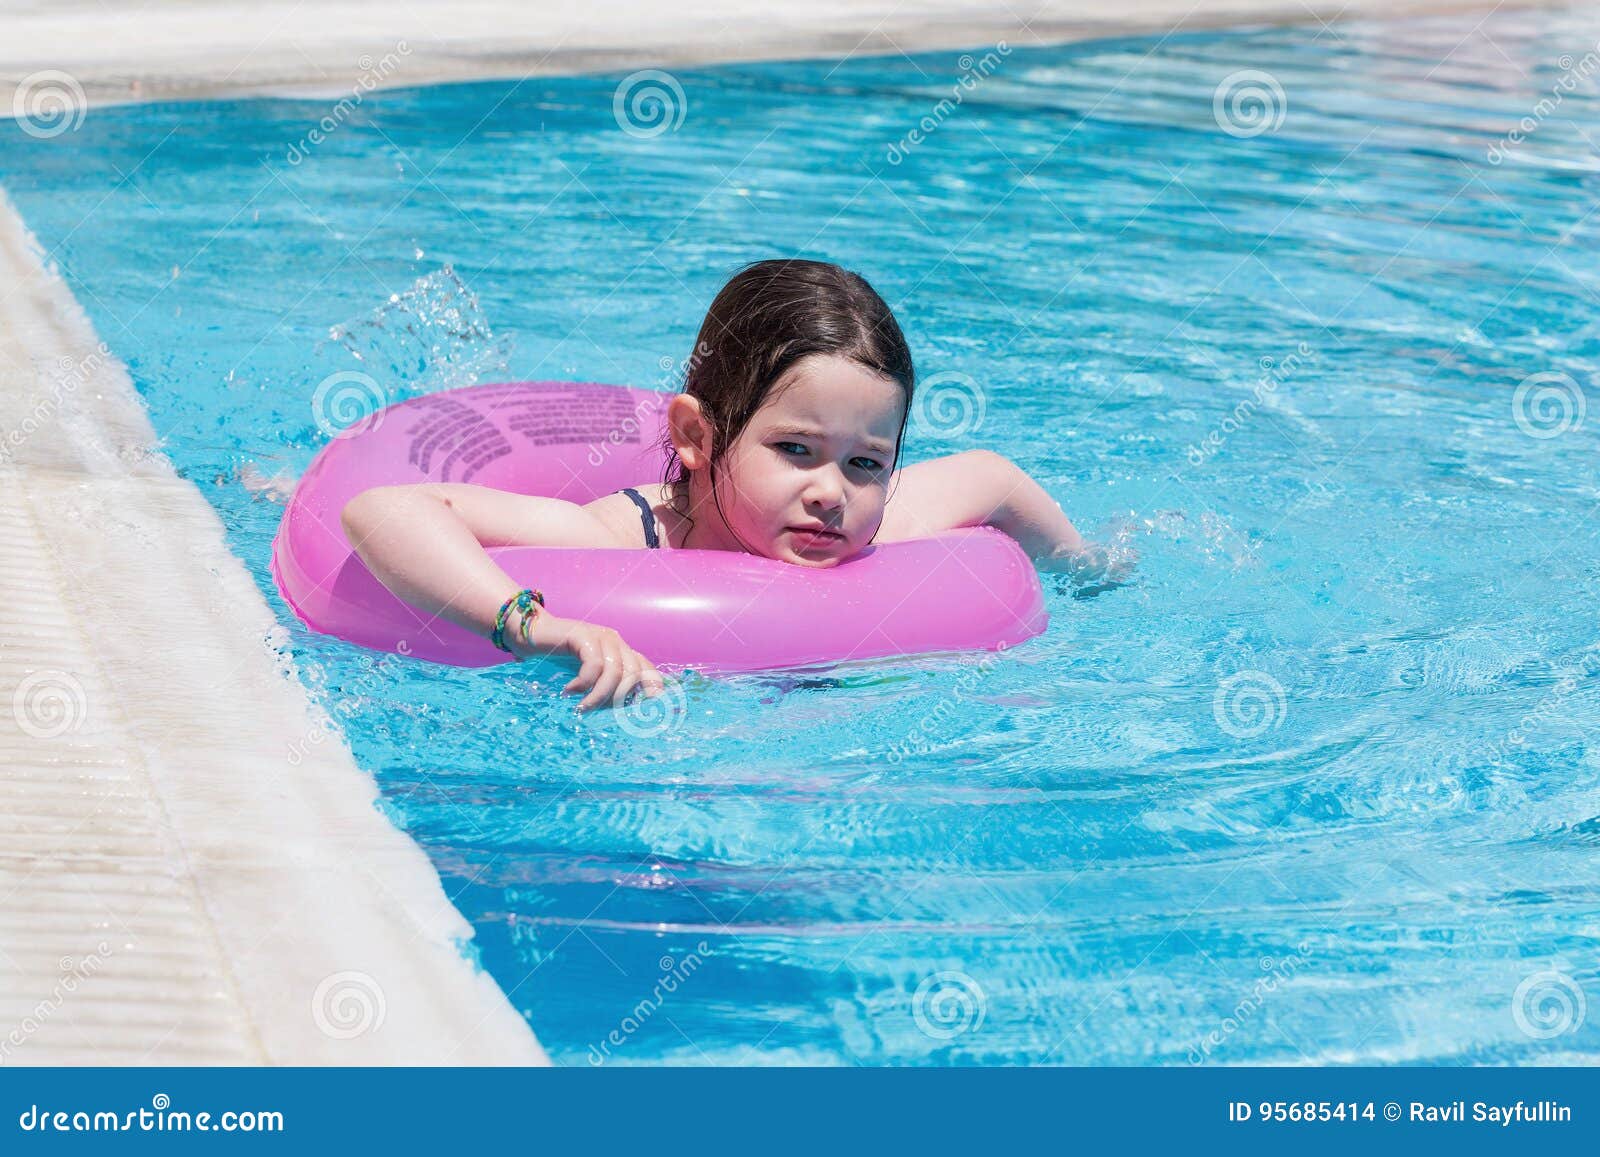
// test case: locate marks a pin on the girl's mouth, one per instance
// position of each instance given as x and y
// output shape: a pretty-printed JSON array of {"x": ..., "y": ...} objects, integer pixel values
[{"x": 816, "y": 537}]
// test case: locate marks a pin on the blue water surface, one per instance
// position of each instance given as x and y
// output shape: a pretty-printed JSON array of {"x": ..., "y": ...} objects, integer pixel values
[{"x": 1286, "y": 310}]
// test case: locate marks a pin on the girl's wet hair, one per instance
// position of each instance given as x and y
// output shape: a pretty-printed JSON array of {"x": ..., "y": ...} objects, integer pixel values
[{"x": 769, "y": 316}]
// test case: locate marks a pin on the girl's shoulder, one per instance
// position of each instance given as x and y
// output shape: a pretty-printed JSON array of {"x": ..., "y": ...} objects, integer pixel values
[
  {"x": 622, "y": 515},
  {"x": 928, "y": 498}
]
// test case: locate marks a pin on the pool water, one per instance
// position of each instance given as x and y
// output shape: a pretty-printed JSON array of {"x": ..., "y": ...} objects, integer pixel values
[{"x": 1264, "y": 305}]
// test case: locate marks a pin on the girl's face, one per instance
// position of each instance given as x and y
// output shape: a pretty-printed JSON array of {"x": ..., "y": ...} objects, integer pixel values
[{"x": 807, "y": 479}]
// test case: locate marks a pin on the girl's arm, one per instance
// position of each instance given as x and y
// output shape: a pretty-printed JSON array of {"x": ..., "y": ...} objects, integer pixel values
[
  {"x": 426, "y": 544},
  {"x": 982, "y": 488},
  {"x": 979, "y": 488},
  {"x": 1023, "y": 510}
]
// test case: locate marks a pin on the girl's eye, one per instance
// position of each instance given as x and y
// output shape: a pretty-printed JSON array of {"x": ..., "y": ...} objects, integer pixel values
[{"x": 871, "y": 465}]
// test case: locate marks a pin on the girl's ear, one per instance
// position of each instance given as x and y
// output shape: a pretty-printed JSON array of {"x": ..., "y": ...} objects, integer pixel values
[{"x": 692, "y": 434}]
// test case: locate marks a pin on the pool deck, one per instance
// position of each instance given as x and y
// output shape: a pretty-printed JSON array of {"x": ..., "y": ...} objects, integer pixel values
[
  {"x": 208, "y": 47},
  {"x": 180, "y": 880},
  {"x": 188, "y": 877}
]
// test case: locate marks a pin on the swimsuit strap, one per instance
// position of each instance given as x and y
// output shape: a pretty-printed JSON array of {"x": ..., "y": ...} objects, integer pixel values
[{"x": 647, "y": 515}]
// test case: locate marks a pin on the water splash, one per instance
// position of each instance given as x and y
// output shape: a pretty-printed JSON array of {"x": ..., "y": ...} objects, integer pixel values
[{"x": 433, "y": 336}]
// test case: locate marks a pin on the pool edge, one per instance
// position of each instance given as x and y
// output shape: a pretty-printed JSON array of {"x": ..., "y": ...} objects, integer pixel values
[
  {"x": 200, "y": 874},
  {"x": 215, "y": 50}
]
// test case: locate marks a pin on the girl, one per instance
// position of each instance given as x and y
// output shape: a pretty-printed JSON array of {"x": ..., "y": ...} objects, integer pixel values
[{"x": 783, "y": 443}]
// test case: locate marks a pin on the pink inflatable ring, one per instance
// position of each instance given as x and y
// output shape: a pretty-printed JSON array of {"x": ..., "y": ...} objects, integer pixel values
[{"x": 715, "y": 611}]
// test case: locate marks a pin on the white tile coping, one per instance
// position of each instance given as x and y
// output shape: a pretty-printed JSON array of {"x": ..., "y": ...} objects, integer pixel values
[
  {"x": 232, "y": 46},
  {"x": 180, "y": 880}
]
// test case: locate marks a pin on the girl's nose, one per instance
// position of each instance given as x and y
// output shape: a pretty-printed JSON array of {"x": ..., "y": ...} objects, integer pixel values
[{"x": 826, "y": 489}]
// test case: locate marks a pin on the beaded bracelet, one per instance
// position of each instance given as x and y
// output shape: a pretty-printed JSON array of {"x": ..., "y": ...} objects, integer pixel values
[{"x": 527, "y": 602}]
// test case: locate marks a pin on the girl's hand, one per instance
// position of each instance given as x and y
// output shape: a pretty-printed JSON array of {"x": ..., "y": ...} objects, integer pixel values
[
  {"x": 608, "y": 668},
  {"x": 1093, "y": 562}
]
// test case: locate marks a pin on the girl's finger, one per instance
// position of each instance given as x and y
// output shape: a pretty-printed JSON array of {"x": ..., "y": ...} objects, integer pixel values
[
  {"x": 606, "y": 680},
  {"x": 589, "y": 666},
  {"x": 654, "y": 682},
  {"x": 630, "y": 677}
]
